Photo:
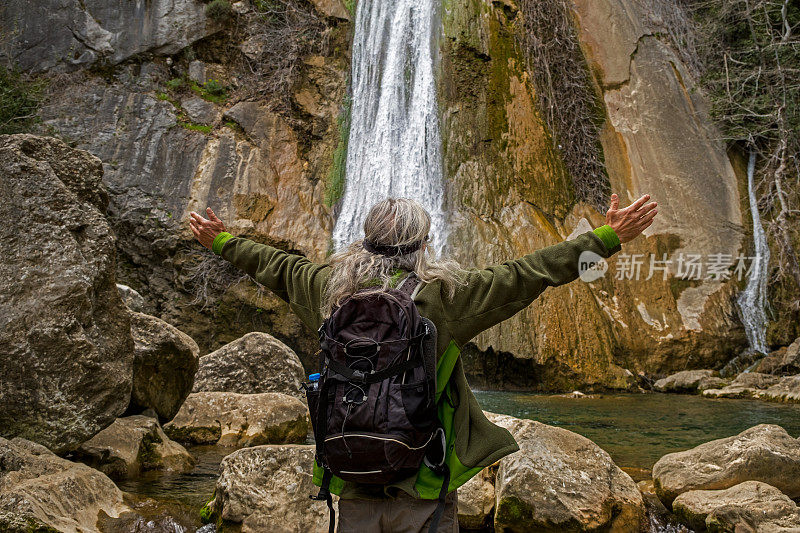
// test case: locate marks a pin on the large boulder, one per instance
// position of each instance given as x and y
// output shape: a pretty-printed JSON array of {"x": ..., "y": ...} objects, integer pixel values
[
  {"x": 746, "y": 385},
  {"x": 165, "y": 363},
  {"x": 783, "y": 361},
  {"x": 785, "y": 390},
  {"x": 266, "y": 488},
  {"x": 688, "y": 381},
  {"x": 762, "y": 453},
  {"x": 132, "y": 445},
  {"x": 255, "y": 363},
  {"x": 753, "y": 504},
  {"x": 230, "y": 419},
  {"x": 476, "y": 500},
  {"x": 66, "y": 352},
  {"x": 729, "y": 392},
  {"x": 754, "y": 380},
  {"x": 42, "y": 492},
  {"x": 561, "y": 481}
]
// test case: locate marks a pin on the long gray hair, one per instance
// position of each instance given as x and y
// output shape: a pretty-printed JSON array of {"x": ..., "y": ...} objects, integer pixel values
[{"x": 390, "y": 222}]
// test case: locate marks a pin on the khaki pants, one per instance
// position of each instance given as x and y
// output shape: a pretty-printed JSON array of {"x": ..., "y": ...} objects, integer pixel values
[{"x": 404, "y": 514}]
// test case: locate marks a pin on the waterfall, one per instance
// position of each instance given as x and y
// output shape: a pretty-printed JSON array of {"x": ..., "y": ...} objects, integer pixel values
[
  {"x": 753, "y": 299},
  {"x": 394, "y": 147}
]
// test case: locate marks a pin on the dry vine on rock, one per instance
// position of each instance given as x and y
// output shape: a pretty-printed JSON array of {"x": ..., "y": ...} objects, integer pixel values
[
  {"x": 210, "y": 276},
  {"x": 565, "y": 95},
  {"x": 276, "y": 37}
]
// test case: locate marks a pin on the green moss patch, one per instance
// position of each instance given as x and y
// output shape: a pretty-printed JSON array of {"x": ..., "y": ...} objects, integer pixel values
[
  {"x": 334, "y": 186},
  {"x": 24, "y": 525},
  {"x": 196, "y": 127},
  {"x": 511, "y": 510}
]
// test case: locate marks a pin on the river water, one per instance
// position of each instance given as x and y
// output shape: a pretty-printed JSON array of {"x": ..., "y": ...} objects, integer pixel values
[
  {"x": 181, "y": 495},
  {"x": 635, "y": 429}
]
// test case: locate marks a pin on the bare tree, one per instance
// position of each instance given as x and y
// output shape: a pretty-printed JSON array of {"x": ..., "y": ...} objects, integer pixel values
[{"x": 749, "y": 54}]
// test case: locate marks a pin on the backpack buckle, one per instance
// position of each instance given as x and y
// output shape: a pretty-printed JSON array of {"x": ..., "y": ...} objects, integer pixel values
[
  {"x": 436, "y": 452},
  {"x": 359, "y": 376}
]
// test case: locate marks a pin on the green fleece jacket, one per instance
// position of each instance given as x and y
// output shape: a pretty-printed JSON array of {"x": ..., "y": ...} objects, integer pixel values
[{"x": 490, "y": 296}]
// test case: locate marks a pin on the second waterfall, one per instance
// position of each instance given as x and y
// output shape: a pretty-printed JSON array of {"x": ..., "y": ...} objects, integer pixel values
[{"x": 394, "y": 147}]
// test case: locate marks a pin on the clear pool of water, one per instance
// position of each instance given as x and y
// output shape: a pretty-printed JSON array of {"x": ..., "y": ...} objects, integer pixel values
[
  {"x": 189, "y": 491},
  {"x": 637, "y": 429}
]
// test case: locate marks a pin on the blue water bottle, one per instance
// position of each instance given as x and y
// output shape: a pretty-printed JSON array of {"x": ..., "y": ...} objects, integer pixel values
[{"x": 313, "y": 381}]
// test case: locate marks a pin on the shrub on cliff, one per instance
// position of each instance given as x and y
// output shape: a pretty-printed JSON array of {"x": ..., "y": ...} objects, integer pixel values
[
  {"x": 19, "y": 101},
  {"x": 219, "y": 11}
]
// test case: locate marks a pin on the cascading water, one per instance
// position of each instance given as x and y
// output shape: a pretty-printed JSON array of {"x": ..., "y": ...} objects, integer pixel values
[
  {"x": 752, "y": 300},
  {"x": 394, "y": 147}
]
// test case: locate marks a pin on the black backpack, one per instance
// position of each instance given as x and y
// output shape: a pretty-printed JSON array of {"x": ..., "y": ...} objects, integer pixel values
[{"x": 373, "y": 410}]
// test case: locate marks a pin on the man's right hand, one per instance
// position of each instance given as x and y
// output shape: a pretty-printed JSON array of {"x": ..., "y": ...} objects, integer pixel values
[
  {"x": 206, "y": 230},
  {"x": 630, "y": 221}
]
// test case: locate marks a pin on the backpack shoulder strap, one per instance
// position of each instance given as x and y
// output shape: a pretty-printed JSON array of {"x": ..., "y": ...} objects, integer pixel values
[{"x": 409, "y": 284}]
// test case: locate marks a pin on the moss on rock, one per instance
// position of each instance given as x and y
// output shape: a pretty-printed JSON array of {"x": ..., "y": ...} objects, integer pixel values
[{"x": 512, "y": 510}]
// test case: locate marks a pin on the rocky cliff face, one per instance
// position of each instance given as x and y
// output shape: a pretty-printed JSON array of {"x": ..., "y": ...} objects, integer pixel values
[
  {"x": 70, "y": 34},
  {"x": 658, "y": 139},
  {"x": 177, "y": 116},
  {"x": 167, "y": 97},
  {"x": 509, "y": 194}
]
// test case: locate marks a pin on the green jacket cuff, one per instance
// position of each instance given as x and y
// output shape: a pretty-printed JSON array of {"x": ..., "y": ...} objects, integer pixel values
[
  {"x": 220, "y": 240},
  {"x": 608, "y": 236}
]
